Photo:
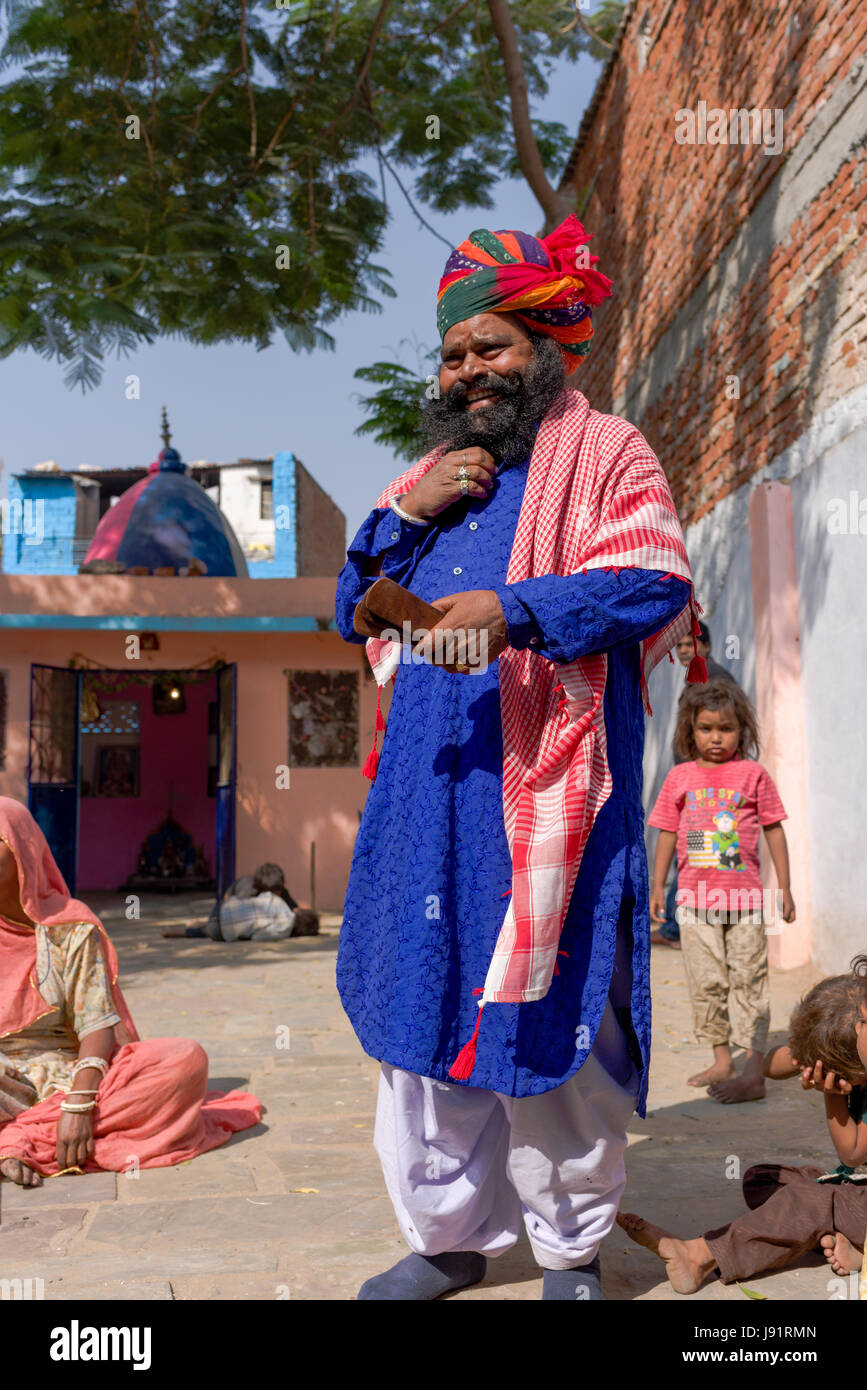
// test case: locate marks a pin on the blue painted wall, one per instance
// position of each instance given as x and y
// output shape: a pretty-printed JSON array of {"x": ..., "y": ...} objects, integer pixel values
[
  {"x": 25, "y": 553},
  {"x": 285, "y": 562}
]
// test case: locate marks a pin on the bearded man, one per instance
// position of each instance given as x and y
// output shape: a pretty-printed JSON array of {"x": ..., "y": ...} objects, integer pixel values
[{"x": 498, "y": 895}]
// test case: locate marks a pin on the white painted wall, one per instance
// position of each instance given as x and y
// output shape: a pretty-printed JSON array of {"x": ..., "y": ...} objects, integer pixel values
[
  {"x": 832, "y": 573},
  {"x": 239, "y": 499}
]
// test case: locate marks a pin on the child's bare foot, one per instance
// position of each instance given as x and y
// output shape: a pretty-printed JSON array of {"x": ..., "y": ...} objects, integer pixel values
[
  {"x": 841, "y": 1254},
  {"x": 20, "y": 1173},
  {"x": 687, "y": 1262},
  {"x": 739, "y": 1089},
  {"x": 718, "y": 1071}
]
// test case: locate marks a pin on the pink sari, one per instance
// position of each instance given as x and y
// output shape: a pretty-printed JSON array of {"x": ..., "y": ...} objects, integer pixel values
[{"x": 154, "y": 1106}]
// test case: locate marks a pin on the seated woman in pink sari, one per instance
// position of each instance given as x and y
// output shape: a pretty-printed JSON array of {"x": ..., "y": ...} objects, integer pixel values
[{"x": 78, "y": 1089}]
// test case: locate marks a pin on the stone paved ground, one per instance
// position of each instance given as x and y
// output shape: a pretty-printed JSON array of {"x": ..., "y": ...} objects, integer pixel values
[{"x": 296, "y": 1208}]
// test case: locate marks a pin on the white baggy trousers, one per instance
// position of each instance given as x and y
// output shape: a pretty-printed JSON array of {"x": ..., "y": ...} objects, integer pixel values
[{"x": 462, "y": 1165}]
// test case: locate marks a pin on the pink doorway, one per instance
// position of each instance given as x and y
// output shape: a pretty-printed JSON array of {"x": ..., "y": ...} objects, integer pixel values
[{"x": 146, "y": 747}]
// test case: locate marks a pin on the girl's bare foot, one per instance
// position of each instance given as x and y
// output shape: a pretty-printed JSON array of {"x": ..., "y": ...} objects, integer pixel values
[
  {"x": 841, "y": 1254},
  {"x": 718, "y": 1071},
  {"x": 20, "y": 1173},
  {"x": 687, "y": 1262},
  {"x": 741, "y": 1088}
]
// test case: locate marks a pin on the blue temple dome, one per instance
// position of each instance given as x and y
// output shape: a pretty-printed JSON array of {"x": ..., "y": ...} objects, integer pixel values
[{"x": 168, "y": 521}]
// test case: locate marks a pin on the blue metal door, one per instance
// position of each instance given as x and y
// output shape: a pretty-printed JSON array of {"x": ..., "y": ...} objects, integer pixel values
[
  {"x": 54, "y": 765},
  {"x": 227, "y": 760}
]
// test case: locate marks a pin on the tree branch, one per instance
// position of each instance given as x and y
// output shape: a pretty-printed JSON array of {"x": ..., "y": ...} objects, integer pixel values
[
  {"x": 423, "y": 42},
  {"x": 591, "y": 33},
  {"x": 246, "y": 67},
  {"x": 383, "y": 161},
  {"x": 489, "y": 86},
  {"x": 360, "y": 79},
  {"x": 554, "y": 205}
]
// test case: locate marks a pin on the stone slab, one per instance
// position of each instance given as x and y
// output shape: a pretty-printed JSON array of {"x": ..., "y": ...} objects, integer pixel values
[
  {"x": 76, "y": 1189},
  {"x": 30, "y": 1239},
  {"x": 109, "y": 1290}
]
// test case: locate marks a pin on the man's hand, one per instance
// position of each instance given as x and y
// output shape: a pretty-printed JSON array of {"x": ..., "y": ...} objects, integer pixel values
[
  {"x": 440, "y": 487},
  {"x": 74, "y": 1139},
  {"x": 788, "y": 906},
  {"x": 465, "y": 618}
]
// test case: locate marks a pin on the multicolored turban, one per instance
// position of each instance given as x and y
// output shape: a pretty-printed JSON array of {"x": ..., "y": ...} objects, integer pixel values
[{"x": 545, "y": 281}]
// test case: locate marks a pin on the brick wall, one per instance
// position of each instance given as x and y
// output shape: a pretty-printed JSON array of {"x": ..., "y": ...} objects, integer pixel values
[
  {"x": 320, "y": 528},
  {"x": 726, "y": 261}
]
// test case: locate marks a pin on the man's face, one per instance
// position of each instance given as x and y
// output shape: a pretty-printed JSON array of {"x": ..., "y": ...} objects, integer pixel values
[
  {"x": 478, "y": 351},
  {"x": 496, "y": 383},
  {"x": 685, "y": 651}
]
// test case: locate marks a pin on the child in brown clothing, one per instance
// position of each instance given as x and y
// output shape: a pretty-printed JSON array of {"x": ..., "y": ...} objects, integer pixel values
[{"x": 793, "y": 1210}]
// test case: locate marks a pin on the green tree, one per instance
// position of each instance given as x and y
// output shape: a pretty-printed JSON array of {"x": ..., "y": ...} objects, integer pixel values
[{"x": 197, "y": 167}]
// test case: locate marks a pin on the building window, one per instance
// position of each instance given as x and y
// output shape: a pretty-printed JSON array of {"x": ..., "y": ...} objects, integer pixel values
[
  {"x": 115, "y": 717},
  {"x": 323, "y": 718},
  {"x": 4, "y": 687},
  {"x": 266, "y": 500}
]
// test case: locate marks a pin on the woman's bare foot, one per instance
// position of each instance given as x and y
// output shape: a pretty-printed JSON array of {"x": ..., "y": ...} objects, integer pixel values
[
  {"x": 718, "y": 1071},
  {"x": 687, "y": 1262},
  {"x": 841, "y": 1254},
  {"x": 741, "y": 1088},
  {"x": 20, "y": 1173}
]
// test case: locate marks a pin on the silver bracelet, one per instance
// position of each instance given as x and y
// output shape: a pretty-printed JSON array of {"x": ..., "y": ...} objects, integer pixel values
[
  {"x": 71, "y": 1109},
  {"x": 405, "y": 516}
]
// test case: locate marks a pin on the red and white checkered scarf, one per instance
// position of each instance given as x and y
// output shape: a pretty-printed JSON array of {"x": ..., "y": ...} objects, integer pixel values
[{"x": 596, "y": 497}]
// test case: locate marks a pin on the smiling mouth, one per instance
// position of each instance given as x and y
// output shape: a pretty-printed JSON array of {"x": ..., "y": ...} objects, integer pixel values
[{"x": 482, "y": 398}]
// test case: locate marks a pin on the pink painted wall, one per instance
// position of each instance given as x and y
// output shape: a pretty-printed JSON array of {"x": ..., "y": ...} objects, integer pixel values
[
  {"x": 321, "y": 804},
  {"x": 173, "y": 748},
  {"x": 779, "y": 701}
]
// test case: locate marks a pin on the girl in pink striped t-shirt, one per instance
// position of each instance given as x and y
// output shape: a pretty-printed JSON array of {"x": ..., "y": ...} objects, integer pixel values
[{"x": 711, "y": 810}]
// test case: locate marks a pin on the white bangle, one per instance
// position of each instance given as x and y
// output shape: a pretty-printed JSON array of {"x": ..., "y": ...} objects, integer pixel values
[
  {"x": 72, "y": 1109},
  {"x": 405, "y": 516},
  {"x": 99, "y": 1062}
]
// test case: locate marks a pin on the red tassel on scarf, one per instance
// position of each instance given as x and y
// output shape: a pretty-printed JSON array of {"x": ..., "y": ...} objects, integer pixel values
[
  {"x": 372, "y": 760},
  {"x": 697, "y": 671},
  {"x": 462, "y": 1067}
]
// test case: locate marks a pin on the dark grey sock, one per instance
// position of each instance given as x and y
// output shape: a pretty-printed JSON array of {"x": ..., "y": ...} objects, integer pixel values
[
  {"x": 570, "y": 1285},
  {"x": 422, "y": 1278}
]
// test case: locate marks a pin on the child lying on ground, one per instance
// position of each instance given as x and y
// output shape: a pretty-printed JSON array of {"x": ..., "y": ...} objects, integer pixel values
[{"x": 793, "y": 1210}]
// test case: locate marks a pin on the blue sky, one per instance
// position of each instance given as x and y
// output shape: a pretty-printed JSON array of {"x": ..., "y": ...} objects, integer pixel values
[{"x": 230, "y": 402}]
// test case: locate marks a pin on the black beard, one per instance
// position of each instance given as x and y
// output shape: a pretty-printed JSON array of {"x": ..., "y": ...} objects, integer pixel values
[{"x": 507, "y": 427}]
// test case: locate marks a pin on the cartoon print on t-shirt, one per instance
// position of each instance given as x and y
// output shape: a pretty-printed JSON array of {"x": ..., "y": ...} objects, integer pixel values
[
  {"x": 726, "y": 842},
  {"x": 717, "y": 844}
]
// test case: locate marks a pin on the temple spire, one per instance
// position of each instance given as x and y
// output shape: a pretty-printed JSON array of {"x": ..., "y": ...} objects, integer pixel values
[{"x": 166, "y": 432}]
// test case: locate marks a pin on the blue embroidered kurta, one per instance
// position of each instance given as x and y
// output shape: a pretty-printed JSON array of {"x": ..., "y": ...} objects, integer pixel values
[{"x": 425, "y": 901}]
